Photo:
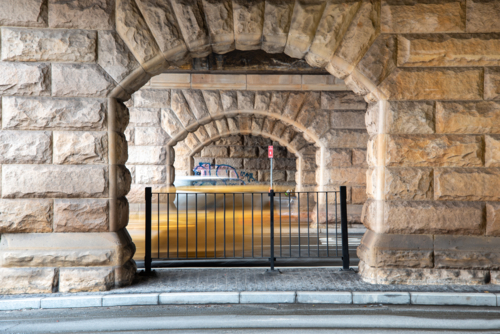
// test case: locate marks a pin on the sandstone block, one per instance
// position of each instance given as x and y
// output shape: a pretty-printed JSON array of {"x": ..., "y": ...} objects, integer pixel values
[
  {"x": 348, "y": 119},
  {"x": 331, "y": 28},
  {"x": 278, "y": 176},
  {"x": 409, "y": 183},
  {"x": 150, "y": 136},
  {"x": 380, "y": 59},
  {"x": 152, "y": 98},
  {"x": 274, "y": 82},
  {"x": 24, "y": 79},
  {"x": 345, "y": 176},
  {"x": 196, "y": 102},
  {"x": 146, "y": 155},
  {"x": 468, "y": 117},
  {"x": 213, "y": 102},
  {"x": 53, "y": 114},
  {"x": 422, "y": 276},
  {"x": 492, "y": 84},
  {"x": 433, "y": 84},
  {"x": 402, "y": 117},
  {"x": 214, "y": 151},
  {"x": 467, "y": 184},
  {"x": 481, "y": 16},
  {"x": 182, "y": 111},
  {"x": 248, "y": 23},
  {"x": 277, "y": 18},
  {"x": 425, "y": 217},
  {"x": 114, "y": 56},
  {"x": 415, "y": 18},
  {"x": 121, "y": 149},
  {"x": 235, "y": 163},
  {"x": 81, "y": 215},
  {"x": 342, "y": 100},
  {"x": 150, "y": 174},
  {"x": 66, "y": 249},
  {"x": 86, "y": 279},
  {"x": 256, "y": 164},
  {"x": 193, "y": 27},
  {"x": 335, "y": 157},
  {"x": 358, "y": 195},
  {"x": 145, "y": 116},
  {"x": 305, "y": 20},
  {"x": 290, "y": 164},
  {"x": 28, "y": 280},
  {"x": 493, "y": 219},
  {"x": 492, "y": 152},
  {"x": 361, "y": 33},
  {"x": 345, "y": 139},
  {"x": 232, "y": 140},
  {"x": 191, "y": 141},
  {"x": 396, "y": 250},
  {"x": 359, "y": 158},
  {"x": 75, "y": 80},
  {"x": 449, "y": 50},
  {"x": 202, "y": 134},
  {"x": 24, "y": 13},
  {"x": 434, "y": 150},
  {"x": 25, "y": 216},
  {"x": 23, "y": 181},
  {"x": 134, "y": 31},
  {"x": 123, "y": 181},
  {"x": 220, "y": 16},
  {"x": 20, "y": 44},
  {"x": 242, "y": 152},
  {"x": 124, "y": 275},
  {"x": 86, "y": 14},
  {"x": 470, "y": 252},
  {"x": 71, "y": 147},
  {"x": 25, "y": 147}
]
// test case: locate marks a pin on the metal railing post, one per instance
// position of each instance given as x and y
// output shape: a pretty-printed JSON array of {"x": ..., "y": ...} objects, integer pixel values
[
  {"x": 343, "y": 226},
  {"x": 271, "y": 259},
  {"x": 147, "y": 257}
]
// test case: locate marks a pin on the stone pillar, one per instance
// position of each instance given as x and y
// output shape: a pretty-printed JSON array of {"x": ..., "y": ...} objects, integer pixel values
[{"x": 433, "y": 181}]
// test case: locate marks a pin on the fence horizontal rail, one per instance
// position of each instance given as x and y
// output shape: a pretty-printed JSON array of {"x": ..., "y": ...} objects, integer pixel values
[{"x": 246, "y": 225}]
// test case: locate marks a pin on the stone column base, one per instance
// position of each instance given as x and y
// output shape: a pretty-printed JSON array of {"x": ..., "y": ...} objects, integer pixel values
[{"x": 65, "y": 262}]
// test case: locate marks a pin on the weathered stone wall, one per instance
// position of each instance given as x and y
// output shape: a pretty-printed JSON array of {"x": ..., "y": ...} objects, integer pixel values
[{"x": 430, "y": 69}]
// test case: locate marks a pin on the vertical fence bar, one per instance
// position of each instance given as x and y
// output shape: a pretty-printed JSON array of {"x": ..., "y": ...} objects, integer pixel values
[
  {"x": 271, "y": 202},
  {"x": 290, "y": 223},
  {"x": 327, "y": 241},
  {"x": 298, "y": 217},
  {"x": 308, "y": 228},
  {"x": 187, "y": 226},
  {"x": 261, "y": 225},
  {"x": 281, "y": 254},
  {"x": 317, "y": 219},
  {"x": 168, "y": 225},
  {"x": 158, "y": 227},
  {"x": 336, "y": 228},
  {"x": 252, "y": 228},
  {"x": 206, "y": 229},
  {"x": 224, "y": 225},
  {"x": 234, "y": 226},
  {"x": 343, "y": 218},
  {"x": 215, "y": 226},
  {"x": 147, "y": 257},
  {"x": 196, "y": 224},
  {"x": 177, "y": 240},
  {"x": 243, "y": 220}
]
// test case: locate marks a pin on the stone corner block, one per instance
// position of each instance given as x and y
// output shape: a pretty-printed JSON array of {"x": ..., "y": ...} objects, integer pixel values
[
  {"x": 381, "y": 298},
  {"x": 324, "y": 297},
  {"x": 445, "y": 298},
  {"x": 86, "y": 279},
  {"x": 27, "y": 280},
  {"x": 267, "y": 297},
  {"x": 130, "y": 299},
  {"x": 200, "y": 298},
  {"x": 19, "y": 304},
  {"x": 71, "y": 302}
]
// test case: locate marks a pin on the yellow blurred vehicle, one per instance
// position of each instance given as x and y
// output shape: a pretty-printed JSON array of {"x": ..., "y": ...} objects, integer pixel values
[{"x": 193, "y": 221}]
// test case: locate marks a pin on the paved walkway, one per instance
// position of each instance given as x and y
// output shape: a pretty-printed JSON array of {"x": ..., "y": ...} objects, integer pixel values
[{"x": 255, "y": 279}]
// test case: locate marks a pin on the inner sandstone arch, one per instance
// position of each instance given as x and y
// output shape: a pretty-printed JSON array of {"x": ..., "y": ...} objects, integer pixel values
[{"x": 430, "y": 71}]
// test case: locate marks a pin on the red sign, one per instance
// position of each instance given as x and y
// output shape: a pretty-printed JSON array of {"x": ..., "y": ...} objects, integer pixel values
[{"x": 270, "y": 152}]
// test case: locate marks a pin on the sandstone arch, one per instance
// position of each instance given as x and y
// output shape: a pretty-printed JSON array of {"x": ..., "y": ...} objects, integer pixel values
[{"x": 446, "y": 100}]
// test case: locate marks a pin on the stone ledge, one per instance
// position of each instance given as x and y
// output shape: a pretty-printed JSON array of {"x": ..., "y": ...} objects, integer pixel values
[{"x": 303, "y": 297}]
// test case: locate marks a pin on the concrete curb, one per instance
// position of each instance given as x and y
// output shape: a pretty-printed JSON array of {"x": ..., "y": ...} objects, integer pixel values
[{"x": 256, "y": 297}]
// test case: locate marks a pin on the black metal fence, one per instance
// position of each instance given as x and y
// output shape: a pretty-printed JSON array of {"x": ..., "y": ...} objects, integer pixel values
[{"x": 274, "y": 225}]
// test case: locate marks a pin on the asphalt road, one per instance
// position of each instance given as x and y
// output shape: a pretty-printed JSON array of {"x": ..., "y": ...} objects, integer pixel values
[{"x": 294, "y": 318}]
